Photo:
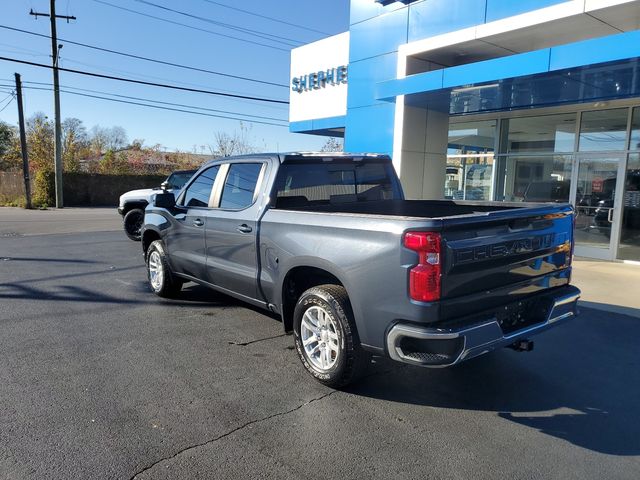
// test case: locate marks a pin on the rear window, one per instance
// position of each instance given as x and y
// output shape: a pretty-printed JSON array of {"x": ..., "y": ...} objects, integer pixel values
[{"x": 316, "y": 182}]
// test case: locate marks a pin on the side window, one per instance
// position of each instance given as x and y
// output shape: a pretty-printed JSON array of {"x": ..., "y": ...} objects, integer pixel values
[
  {"x": 198, "y": 193},
  {"x": 240, "y": 185}
]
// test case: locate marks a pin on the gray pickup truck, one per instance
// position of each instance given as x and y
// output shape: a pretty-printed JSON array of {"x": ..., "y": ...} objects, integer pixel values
[{"x": 328, "y": 243}]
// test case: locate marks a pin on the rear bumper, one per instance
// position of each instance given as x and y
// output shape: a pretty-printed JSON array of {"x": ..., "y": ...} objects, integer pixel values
[
  {"x": 121, "y": 210},
  {"x": 439, "y": 347}
]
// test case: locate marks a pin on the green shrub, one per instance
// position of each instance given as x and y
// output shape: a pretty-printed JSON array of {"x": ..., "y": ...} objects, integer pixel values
[{"x": 44, "y": 189}]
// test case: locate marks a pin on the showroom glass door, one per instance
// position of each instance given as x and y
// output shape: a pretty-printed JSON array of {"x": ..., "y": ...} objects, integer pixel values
[{"x": 597, "y": 195}]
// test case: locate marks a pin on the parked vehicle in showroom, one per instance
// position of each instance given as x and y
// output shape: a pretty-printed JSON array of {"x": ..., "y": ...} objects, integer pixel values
[
  {"x": 328, "y": 242},
  {"x": 133, "y": 203}
]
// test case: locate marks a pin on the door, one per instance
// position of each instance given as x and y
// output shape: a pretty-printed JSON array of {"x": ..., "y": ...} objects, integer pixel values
[
  {"x": 232, "y": 261},
  {"x": 185, "y": 241},
  {"x": 597, "y": 195}
]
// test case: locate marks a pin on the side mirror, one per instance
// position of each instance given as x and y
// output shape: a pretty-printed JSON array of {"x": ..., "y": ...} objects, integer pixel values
[
  {"x": 165, "y": 185},
  {"x": 164, "y": 200}
]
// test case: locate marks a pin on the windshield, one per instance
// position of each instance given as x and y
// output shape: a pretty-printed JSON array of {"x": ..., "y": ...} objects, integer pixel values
[{"x": 177, "y": 180}]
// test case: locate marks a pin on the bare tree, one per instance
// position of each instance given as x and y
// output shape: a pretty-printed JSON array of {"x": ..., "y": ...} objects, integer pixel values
[
  {"x": 117, "y": 138},
  {"x": 105, "y": 138},
  {"x": 238, "y": 143},
  {"x": 332, "y": 145}
]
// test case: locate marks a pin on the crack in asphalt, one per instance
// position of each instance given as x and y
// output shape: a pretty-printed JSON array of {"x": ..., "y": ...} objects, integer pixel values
[
  {"x": 231, "y": 432},
  {"x": 244, "y": 344},
  {"x": 261, "y": 420}
]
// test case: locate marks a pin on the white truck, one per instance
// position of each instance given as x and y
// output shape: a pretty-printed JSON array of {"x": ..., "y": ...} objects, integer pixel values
[{"x": 132, "y": 204}]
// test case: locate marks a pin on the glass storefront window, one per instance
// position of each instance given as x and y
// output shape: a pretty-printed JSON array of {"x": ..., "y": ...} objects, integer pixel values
[
  {"x": 634, "y": 143},
  {"x": 472, "y": 137},
  {"x": 604, "y": 130},
  {"x": 548, "y": 133},
  {"x": 630, "y": 229},
  {"x": 544, "y": 178},
  {"x": 470, "y": 160},
  {"x": 469, "y": 177}
]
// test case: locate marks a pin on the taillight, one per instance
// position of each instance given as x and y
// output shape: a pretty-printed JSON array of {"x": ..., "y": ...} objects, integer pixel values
[{"x": 424, "y": 278}]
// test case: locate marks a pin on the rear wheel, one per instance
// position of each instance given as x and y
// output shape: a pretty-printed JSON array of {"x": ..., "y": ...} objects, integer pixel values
[
  {"x": 326, "y": 337},
  {"x": 161, "y": 279},
  {"x": 133, "y": 221}
]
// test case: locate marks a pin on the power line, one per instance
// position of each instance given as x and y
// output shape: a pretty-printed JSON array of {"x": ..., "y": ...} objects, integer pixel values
[
  {"x": 158, "y": 107},
  {"x": 266, "y": 17},
  {"x": 249, "y": 31},
  {"x": 8, "y": 103},
  {"x": 142, "y": 82},
  {"x": 191, "y": 26},
  {"x": 147, "y": 59},
  {"x": 160, "y": 102}
]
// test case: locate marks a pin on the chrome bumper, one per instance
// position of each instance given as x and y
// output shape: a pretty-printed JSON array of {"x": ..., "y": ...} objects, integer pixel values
[{"x": 470, "y": 342}]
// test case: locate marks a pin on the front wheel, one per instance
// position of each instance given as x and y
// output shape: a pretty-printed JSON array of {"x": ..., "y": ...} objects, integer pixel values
[
  {"x": 326, "y": 338},
  {"x": 133, "y": 221},
  {"x": 161, "y": 279}
]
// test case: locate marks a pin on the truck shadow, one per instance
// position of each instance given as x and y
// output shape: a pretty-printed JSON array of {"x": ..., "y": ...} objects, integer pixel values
[{"x": 581, "y": 384}]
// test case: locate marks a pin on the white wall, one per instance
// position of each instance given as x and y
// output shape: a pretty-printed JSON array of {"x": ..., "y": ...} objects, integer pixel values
[{"x": 329, "y": 101}]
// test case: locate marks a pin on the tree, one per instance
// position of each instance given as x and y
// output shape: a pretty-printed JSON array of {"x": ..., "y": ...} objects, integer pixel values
[
  {"x": 105, "y": 138},
  {"x": 10, "y": 155},
  {"x": 332, "y": 145},
  {"x": 116, "y": 138},
  {"x": 40, "y": 142},
  {"x": 6, "y": 136},
  {"x": 75, "y": 144},
  {"x": 98, "y": 139},
  {"x": 226, "y": 144}
]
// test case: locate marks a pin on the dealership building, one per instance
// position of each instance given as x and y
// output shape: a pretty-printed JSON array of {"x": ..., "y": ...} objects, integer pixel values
[{"x": 490, "y": 100}]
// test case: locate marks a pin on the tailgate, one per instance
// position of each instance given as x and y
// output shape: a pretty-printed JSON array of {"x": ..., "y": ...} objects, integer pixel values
[{"x": 503, "y": 248}]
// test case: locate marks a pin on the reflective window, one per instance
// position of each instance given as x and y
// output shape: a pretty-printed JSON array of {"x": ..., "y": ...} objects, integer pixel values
[
  {"x": 198, "y": 193},
  {"x": 177, "y": 180},
  {"x": 603, "y": 130},
  {"x": 630, "y": 233},
  {"x": 470, "y": 160},
  {"x": 472, "y": 137},
  {"x": 469, "y": 177},
  {"x": 548, "y": 133},
  {"x": 634, "y": 144},
  {"x": 240, "y": 185},
  {"x": 538, "y": 178},
  {"x": 309, "y": 182}
]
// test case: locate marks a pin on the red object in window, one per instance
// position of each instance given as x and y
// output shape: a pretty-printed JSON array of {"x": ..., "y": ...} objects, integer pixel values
[{"x": 424, "y": 278}]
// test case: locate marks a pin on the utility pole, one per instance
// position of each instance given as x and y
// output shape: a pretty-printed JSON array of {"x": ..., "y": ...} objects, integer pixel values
[
  {"x": 55, "y": 49},
  {"x": 23, "y": 143}
]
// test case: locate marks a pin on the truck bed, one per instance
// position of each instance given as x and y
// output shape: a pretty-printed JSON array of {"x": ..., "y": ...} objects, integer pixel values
[{"x": 401, "y": 208}]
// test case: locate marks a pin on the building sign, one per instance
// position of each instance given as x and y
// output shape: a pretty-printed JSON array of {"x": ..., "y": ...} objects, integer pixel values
[
  {"x": 318, "y": 79},
  {"x": 321, "y": 79}
]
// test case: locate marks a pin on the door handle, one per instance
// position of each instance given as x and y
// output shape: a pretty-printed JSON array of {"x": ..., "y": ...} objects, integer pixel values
[
  {"x": 610, "y": 215},
  {"x": 244, "y": 228},
  {"x": 198, "y": 222}
]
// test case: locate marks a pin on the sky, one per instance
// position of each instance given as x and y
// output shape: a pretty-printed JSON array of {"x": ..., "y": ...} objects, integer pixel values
[{"x": 100, "y": 23}]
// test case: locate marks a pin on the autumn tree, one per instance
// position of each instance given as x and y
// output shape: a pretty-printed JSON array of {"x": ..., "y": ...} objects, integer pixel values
[
  {"x": 10, "y": 155},
  {"x": 75, "y": 144},
  {"x": 40, "y": 143}
]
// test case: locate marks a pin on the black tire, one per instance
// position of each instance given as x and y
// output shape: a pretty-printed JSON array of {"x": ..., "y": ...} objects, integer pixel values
[
  {"x": 351, "y": 361},
  {"x": 167, "y": 285},
  {"x": 133, "y": 221}
]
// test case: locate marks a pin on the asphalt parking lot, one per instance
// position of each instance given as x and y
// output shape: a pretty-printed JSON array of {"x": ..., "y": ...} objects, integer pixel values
[{"x": 101, "y": 379}]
